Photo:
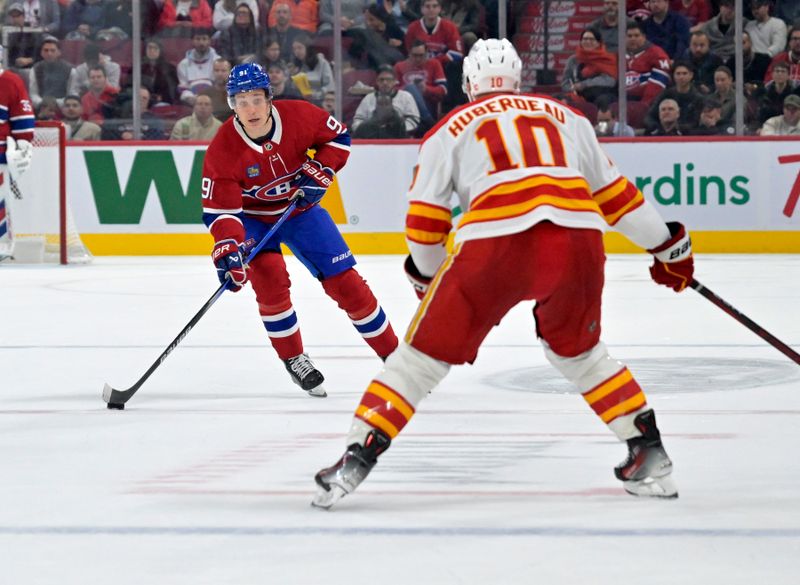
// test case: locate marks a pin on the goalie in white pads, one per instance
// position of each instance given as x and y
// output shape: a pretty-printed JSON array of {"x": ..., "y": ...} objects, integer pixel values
[
  {"x": 538, "y": 193},
  {"x": 16, "y": 150}
]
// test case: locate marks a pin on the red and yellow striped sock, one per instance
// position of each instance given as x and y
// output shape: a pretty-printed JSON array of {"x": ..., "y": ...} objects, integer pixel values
[
  {"x": 384, "y": 408},
  {"x": 615, "y": 397}
]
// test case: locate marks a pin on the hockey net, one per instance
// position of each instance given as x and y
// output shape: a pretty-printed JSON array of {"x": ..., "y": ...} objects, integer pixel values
[{"x": 42, "y": 223}]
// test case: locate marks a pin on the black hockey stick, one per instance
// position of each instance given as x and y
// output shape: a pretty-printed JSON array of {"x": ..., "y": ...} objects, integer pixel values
[
  {"x": 747, "y": 322},
  {"x": 116, "y": 399}
]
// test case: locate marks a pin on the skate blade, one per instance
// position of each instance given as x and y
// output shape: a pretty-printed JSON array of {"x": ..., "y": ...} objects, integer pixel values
[
  {"x": 652, "y": 487},
  {"x": 317, "y": 392},
  {"x": 324, "y": 499}
]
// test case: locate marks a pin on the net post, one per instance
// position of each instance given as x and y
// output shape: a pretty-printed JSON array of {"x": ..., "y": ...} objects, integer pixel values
[{"x": 62, "y": 195}]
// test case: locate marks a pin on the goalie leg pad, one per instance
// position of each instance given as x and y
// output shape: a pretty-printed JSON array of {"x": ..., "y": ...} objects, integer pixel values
[
  {"x": 353, "y": 295},
  {"x": 271, "y": 283},
  {"x": 6, "y": 241}
]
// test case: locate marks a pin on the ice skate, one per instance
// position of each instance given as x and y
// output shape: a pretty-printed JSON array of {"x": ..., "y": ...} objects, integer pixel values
[
  {"x": 347, "y": 474},
  {"x": 647, "y": 469},
  {"x": 305, "y": 375}
]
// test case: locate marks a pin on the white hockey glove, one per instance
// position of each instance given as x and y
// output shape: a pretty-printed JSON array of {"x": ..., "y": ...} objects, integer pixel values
[{"x": 18, "y": 154}]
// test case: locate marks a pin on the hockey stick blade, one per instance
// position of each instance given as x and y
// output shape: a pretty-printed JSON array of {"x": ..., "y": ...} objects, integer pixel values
[
  {"x": 746, "y": 321},
  {"x": 116, "y": 399}
]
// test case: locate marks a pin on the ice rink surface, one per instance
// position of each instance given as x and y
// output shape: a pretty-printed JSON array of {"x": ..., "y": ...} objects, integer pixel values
[{"x": 504, "y": 476}]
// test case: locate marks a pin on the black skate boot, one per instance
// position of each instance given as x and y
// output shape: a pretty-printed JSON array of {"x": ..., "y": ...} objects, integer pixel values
[
  {"x": 347, "y": 474},
  {"x": 305, "y": 375},
  {"x": 647, "y": 470}
]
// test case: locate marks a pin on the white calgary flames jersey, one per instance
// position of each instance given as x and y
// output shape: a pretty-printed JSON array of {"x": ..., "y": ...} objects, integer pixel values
[{"x": 513, "y": 161}]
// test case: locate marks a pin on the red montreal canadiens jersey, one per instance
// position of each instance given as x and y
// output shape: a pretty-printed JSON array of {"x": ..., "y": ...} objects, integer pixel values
[
  {"x": 242, "y": 178},
  {"x": 647, "y": 73},
  {"x": 16, "y": 112},
  {"x": 443, "y": 43}
]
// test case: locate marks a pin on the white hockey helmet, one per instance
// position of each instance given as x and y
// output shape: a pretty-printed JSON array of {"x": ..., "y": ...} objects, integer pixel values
[{"x": 492, "y": 65}]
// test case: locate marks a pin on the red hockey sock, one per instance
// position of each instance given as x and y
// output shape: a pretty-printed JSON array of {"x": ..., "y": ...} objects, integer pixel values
[{"x": 353, "y": 295}]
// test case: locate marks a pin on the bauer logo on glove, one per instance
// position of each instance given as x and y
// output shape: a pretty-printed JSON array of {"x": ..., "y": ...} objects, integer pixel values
[
  {"x": 317, "y": 173},
  {"x": 673, "y": 265},
  {"x": 313, "y": 181}
]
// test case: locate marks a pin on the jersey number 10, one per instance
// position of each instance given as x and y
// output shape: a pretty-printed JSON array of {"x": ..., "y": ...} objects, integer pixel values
[{"x": 538, "y": 136}]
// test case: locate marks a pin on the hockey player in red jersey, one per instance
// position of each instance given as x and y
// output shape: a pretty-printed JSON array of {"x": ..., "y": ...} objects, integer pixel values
[
  {"x": 16, "y": 150},
  {"x": 257, "y": 163},
  {"x": 538, "y": 193}
]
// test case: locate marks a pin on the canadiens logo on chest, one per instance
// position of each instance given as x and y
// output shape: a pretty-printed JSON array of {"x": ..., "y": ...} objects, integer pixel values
[{"x": 253, "y": 170}]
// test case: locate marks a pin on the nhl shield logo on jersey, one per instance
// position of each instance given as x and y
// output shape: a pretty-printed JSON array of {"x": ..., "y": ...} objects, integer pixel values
[{"x": 253, "y": 171}]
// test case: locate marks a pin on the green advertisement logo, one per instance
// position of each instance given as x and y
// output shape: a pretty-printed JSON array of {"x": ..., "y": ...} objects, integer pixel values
[
  {"x": 150, "y": 167},
  {"x": 683, "y": 187},
  {"x": 124, "y": 205}
]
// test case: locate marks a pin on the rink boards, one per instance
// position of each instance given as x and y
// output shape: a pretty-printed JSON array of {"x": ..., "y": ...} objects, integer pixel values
[{"x": 144, "y": 198}]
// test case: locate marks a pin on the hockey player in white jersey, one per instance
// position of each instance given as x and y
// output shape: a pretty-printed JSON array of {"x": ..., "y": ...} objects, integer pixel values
[{"x": 538, "y": 193}]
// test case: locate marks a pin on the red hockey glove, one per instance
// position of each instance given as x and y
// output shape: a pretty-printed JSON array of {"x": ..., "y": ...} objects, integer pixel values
[
  {"x": 228, "y": 257},
  {"x": 313, "y": 180},
  {"x": 673, "y": 265},
  {"x": 419, "y": 282}
]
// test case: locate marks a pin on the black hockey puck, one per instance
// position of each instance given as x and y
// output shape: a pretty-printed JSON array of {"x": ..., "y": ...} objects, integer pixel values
[{"x": 116, "y": 406}]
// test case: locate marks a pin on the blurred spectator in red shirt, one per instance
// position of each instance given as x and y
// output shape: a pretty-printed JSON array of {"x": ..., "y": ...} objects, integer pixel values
[
  {"x": 424, "y": 79},
  {"x": 790, "y": 57},
  {"x": 99, "y": 101},
  {"x": 441, "y": 36},
  {"x": 179, "y": 18},
  {"x": 695, "y": 11},
  {"x": 648, "y": 66},
  {"x": 92, "y": 56}
]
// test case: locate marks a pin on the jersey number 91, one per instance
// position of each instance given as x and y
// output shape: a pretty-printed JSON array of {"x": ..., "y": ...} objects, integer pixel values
[{"x": 206, "y": 187}]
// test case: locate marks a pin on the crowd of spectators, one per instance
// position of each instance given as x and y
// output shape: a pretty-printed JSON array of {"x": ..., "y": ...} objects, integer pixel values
[
  {"x": 401, "y": 63},
  {"x": 401, "y": 60},
  {"x": 680, "y": 68}
]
